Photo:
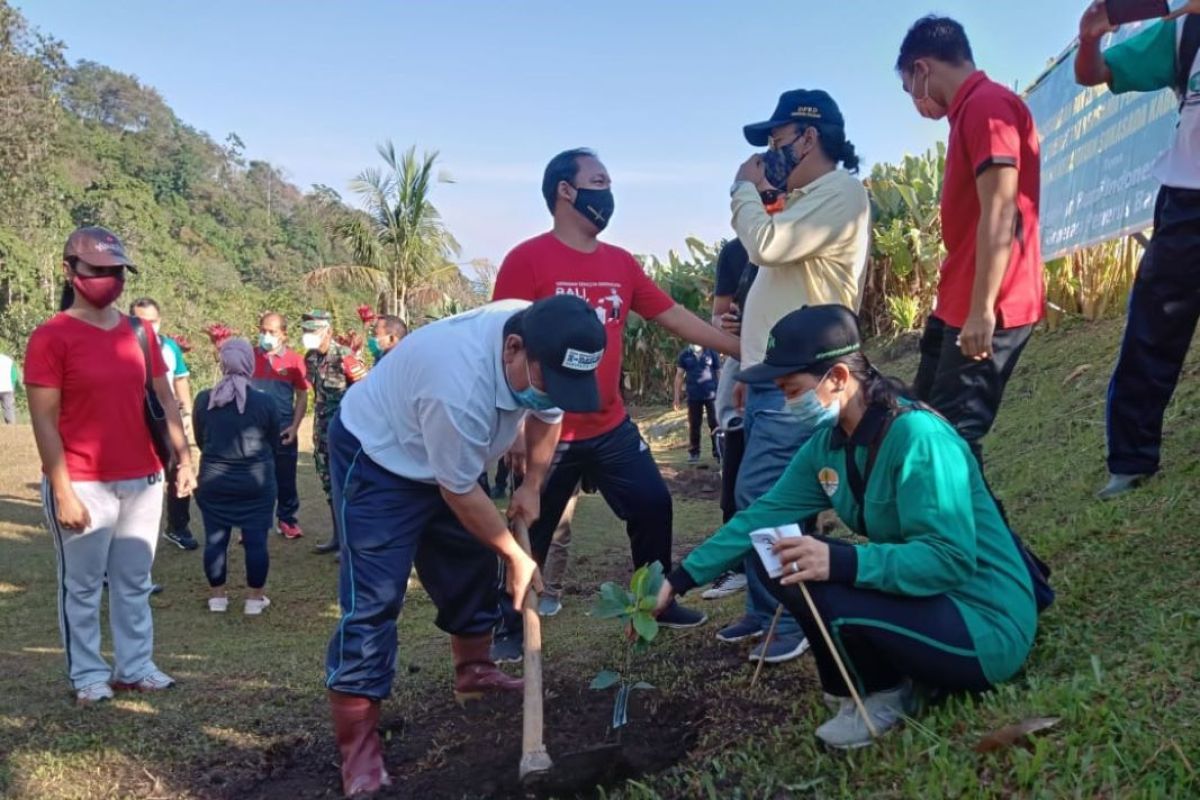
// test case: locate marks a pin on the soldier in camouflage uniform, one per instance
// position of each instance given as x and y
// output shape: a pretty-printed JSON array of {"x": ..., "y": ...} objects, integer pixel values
[{"x": 331, "y": 367}]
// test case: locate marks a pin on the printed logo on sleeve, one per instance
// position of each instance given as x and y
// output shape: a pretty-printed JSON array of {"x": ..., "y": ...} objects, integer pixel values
[
  {"x": 580, "y": 361},
  {"x": 829, "y": 480}
]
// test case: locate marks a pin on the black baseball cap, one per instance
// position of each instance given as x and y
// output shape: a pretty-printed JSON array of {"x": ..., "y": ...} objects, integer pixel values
[
  {"x": 97, "y": 246},
  {"x": 812, "y": 106},
  {"x": 567, "y": 339},
  {"x": 805, "y": 339}
]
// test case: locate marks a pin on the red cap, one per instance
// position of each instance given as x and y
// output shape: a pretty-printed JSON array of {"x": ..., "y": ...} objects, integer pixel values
[{"x": 97, "y": 246}]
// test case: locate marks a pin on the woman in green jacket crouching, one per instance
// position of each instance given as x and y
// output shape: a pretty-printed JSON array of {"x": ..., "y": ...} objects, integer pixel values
[{"x": 939, "y": 594}]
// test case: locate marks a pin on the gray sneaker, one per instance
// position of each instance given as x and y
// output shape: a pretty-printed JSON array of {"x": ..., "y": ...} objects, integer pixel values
[
  {"x": 548, "y": 606},
  {"x": 848, "y": 731},
  {"x": 1118, "y": 485},
  {"x": 93, "y": 693},
  {"x": 156, "y": 681},
  {"x": 780, "y": 649}
]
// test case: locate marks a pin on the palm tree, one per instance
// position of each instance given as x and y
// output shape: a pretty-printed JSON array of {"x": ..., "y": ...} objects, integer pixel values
[{"x": 399, "y": 242}]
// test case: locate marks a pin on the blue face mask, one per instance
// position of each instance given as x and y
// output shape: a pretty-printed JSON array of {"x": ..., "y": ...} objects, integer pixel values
[
  {"x": 374, "y": 348},
  {"x": 531, "y": 397},
  {"x": 808, "y": 409}
]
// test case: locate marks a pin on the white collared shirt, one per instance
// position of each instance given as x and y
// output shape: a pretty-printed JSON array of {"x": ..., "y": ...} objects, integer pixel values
[{"x": 438, "y": 409}]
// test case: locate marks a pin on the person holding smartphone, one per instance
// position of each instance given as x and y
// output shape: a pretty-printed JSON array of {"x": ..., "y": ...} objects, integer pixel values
[
  {"x": 938, "y": 594},
  {"x": 1164, "y": 304}
]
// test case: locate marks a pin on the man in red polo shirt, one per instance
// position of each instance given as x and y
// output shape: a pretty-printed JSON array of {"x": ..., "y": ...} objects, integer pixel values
[
  {"x": 991, "y": 291},
  {"x": 281, "y": 373},
  {"x": 604, "y": 447}
]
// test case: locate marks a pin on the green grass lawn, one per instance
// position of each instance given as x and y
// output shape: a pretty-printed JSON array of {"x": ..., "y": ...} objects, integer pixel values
[{"x": 1116, "y": 658}]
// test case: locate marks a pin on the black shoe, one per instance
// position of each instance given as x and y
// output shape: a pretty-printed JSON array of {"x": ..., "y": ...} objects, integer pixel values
[
  {"x": 508, "y": 648},
  {"x": 156, "y": 588},
  {"x": 182, "y": 539},
  {"x": 332, "y": 546},
  {"x": 676, "y": 616}
]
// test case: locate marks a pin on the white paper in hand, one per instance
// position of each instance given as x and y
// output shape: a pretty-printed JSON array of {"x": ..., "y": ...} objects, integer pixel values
[{"x": 764, "y": 540}]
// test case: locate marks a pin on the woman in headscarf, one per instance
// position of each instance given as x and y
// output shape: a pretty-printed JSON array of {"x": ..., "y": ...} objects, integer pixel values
[{"x": 237, "y": 430}]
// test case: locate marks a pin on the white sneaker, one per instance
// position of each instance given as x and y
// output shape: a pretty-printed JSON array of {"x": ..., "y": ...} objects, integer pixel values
[
  {"x": 726, "y": 584},
  {"x": 93, "y": 693},
  {"x": 156, "y": 681},
  {"x": 848, "y": 731},
  {"x": 255, "y": 607},
  {"x": 218, "y": 605}
]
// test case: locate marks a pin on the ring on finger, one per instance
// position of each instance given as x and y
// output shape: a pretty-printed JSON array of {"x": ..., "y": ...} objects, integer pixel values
[{"x": 795, "y": 566}]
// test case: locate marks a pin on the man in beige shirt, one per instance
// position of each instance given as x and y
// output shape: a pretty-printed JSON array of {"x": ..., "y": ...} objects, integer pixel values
[{"x": 811, "y": 252}]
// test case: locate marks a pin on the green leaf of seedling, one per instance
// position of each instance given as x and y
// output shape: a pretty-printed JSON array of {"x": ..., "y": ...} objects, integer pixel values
[
  {"x": 605, "y": 679},
  {"x": 638, "y": 581},
  {"x": 647, "y": 603},
  {"x": 642, "y": 685},
  {"x": 612, "y": 602},
  {"x": 645, "y": 625},
  {"x": 654, "y": 580}
]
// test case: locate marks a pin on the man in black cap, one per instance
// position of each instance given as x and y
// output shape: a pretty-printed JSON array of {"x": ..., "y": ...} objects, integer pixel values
[
  {"x": 813, "y": 250},
  {"x": 406, "y": 451}
]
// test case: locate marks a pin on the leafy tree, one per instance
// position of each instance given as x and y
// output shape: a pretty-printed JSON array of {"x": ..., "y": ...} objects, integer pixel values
[{"x": 400, "y": 243}]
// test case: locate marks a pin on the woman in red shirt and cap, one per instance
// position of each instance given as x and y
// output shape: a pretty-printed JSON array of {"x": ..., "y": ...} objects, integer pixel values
[{"x": 86, "y": 373}]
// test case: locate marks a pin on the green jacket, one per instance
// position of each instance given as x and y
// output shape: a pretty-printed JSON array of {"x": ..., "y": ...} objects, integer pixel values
[{"x": 933, "y": 528}]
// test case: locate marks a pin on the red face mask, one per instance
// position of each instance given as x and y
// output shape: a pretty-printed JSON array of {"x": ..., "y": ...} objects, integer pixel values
[{"x": 100, "y": 291}]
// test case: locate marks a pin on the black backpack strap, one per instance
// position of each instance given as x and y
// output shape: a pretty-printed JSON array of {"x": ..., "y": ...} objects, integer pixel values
[
  {"x": 858, "y": 480},
  {"x": 139, "y": 330},
  {"x": 1189, "y": 45}
]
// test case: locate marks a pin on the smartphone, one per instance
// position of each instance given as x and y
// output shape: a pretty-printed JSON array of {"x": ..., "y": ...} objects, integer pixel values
[{"x": 1123, "y": 11}]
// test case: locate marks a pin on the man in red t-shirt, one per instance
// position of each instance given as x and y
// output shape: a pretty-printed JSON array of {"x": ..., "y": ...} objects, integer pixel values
[
  {"x": 281, "y": 373},
  {"x": 604, "y": 447},
  {"x": 991, "y": 292}
]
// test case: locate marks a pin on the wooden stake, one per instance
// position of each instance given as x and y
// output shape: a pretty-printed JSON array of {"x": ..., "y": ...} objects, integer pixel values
[
  {"x": 812, "y": 607},
  {"x": 767, "y": 643}
]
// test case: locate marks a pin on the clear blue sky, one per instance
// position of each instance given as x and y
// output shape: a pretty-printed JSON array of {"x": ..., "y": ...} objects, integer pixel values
[{"x": 659, "y": 88}]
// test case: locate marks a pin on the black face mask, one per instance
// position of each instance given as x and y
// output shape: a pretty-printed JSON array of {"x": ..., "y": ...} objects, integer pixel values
[{"x": 596, "y": 206}]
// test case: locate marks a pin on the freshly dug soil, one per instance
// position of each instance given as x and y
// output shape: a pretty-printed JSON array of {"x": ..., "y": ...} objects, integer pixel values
[{"x": 441, "y": 750}]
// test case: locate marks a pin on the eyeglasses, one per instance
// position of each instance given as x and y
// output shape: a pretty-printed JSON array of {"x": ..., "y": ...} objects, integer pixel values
[{"x": 774, "y": 145}]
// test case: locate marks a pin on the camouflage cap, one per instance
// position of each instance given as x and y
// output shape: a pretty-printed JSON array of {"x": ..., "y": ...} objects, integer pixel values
[{"x": 315, "y": 320}]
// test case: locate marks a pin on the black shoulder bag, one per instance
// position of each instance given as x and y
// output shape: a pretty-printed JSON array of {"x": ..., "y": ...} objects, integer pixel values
[
  {"x": 1039, "y": 571},
  {"x": 156, "y": 416},
  {"x": 1189, "y": 45}
]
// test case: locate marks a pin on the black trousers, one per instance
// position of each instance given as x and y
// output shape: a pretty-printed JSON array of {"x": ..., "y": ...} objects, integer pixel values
[
  {"x": 179, "y": 513},
  {"x": 965, "y": 391},
  {"x": 883, "y": 638},
  {"x": 619, "y": 464},
  {"x": 696, "y": 411},
  {"x": 286, "y": 457},
  {"x": 1163, "y": 309},
  {"x": 733, "y": 446}
]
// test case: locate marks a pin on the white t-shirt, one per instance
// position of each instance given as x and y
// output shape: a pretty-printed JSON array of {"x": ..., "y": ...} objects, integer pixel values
[
  {"x": 1147, "y": 62},
  {"x": 6, "y": 374},
  {"x": 438, "y": 409}
]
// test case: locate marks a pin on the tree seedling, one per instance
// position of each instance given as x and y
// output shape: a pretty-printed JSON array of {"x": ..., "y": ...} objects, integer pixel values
[{"x": 634, "y": 609}]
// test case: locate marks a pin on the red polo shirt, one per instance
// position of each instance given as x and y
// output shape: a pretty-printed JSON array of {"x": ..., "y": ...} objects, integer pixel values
[
  {"x": 612, "y": 282},
  {"x": 989, "y": 126}
]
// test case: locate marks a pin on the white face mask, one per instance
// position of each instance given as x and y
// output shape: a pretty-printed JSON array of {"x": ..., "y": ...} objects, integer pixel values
[{"x": 311, "y": 341}]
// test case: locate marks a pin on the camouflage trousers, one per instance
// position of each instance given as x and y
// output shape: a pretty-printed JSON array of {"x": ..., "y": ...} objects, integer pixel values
[{"x": 321, "y": 455}]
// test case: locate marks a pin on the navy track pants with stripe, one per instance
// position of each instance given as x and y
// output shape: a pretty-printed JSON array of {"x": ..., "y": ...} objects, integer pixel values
[{"x": 389, "y": 524}]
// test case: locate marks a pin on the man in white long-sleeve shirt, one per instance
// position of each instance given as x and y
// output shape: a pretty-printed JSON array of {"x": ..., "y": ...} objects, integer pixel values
[{"x": 813, "y": 251}]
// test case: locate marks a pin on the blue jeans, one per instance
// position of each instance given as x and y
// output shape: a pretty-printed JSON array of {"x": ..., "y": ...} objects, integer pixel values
[{"x": 773, "y": 437}]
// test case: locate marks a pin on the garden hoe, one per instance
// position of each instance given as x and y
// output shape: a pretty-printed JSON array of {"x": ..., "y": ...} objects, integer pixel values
[{"x": 583, "y": 768}]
